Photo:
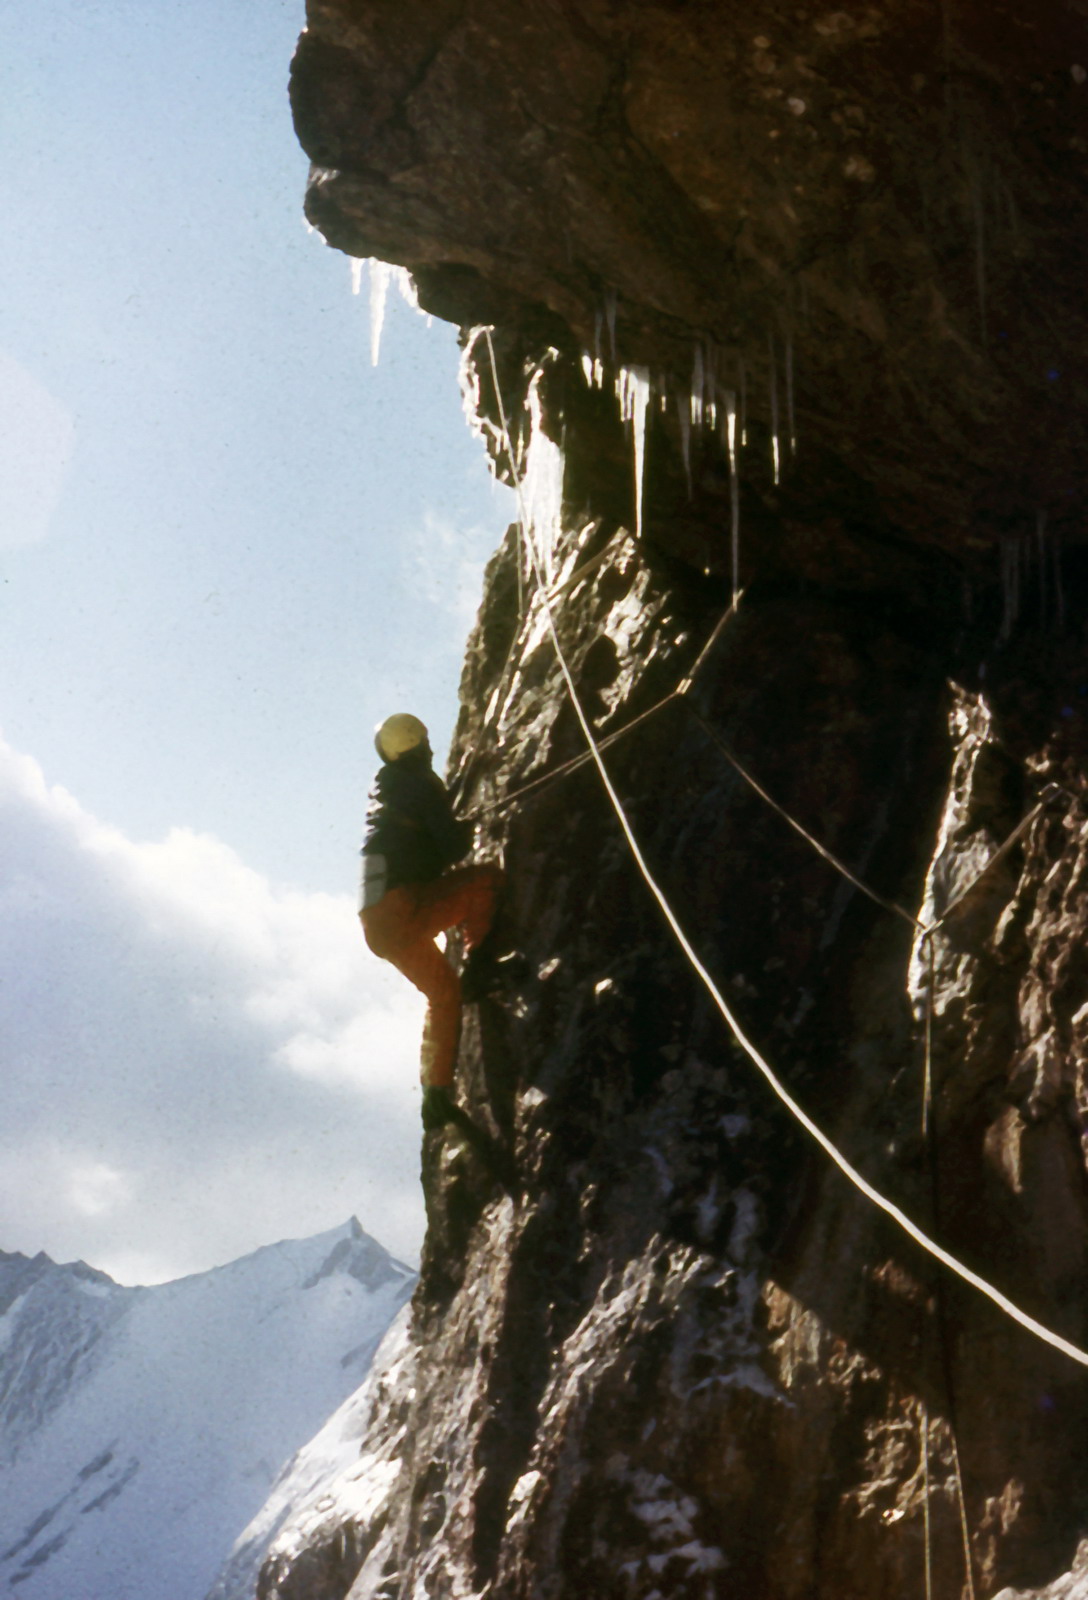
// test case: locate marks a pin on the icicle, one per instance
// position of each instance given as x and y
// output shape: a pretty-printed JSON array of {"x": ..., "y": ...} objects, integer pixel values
[
  {"x": 380, "y": 274},
  {"x": 593, "y": 369},
  {"x": 776, "y": 460},
  {"x": 734, "y": 490},
  {"x": 683, "y": 416},
  {"x": 403, "y": 280},
  {"x": 598, "y": 321},
  {"x": 610, "y": 315},
  {"x": 542, "y": 483},
  {"x": 697, "y": 386},
  {"x": 633, "y": 389},
  {"x": 1040, "y": 538},
  {"x": 743, "y": 407},
  {"x": 791, "y": 421},
  {"x": 711, "y": 386},
  {"x": 1059, "y": 591}
]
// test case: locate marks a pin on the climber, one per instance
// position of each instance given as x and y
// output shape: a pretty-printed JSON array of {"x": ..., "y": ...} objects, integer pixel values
[{"x": 410, "y": 896}]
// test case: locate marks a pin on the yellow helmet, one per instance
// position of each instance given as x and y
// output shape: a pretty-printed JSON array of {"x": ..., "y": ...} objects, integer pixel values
[{"x": 398, "y": 734}]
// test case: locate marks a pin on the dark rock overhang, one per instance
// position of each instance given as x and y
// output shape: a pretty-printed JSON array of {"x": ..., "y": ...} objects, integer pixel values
[{"x": 886, "y": 201}]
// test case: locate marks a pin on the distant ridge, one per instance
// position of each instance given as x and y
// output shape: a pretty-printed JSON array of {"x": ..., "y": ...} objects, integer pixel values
[{"x": 141, "y": 1428}]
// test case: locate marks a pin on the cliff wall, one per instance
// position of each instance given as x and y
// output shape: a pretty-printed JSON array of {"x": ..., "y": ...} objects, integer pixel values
[{"x": 833, "y": 263}]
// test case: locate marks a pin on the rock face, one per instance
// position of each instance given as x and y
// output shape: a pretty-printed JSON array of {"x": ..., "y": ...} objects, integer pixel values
[{"x": 660, "y": 1346}]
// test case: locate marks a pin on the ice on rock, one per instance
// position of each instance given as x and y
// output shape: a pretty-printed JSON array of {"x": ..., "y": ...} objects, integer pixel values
[
  {"x": 633, "y": 389},
  {"x": 542, "y": 485},
  {"x": 734, "y": 491},
  {"x": 776, "y": 460},
  {"x": 698, "y": 383},
  {"x": 468, "y": 378},
  {"x": 791, "y": 421}
]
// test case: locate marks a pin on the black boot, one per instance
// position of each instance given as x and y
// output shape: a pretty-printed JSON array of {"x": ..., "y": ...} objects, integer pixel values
[{"x": 438, "y": 1107}]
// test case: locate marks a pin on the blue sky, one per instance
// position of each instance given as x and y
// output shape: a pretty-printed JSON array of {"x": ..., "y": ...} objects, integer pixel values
[{"x": 228, "y": 546}]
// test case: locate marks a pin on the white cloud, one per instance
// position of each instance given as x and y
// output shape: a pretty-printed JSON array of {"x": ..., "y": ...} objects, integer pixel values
[
  {"x": 196, "y": 1060},
  {"x": 36, "y": 437},
  {"x": 96, "y": 1189}
]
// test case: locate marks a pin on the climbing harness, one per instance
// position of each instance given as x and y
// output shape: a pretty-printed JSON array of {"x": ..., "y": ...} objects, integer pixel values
[{"x": 890, "y": 1209}]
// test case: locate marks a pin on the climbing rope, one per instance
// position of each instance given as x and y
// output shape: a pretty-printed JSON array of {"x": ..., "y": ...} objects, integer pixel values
[
  {"x": 924, "y": 929},
  {"x": 833, "y": 860},
  {"x": 586, "y": 757},
  {"x": 890, "y": 1209},
  {"x": 568, "y": 766},
  {"x": 965, "y": 1532},
  {"x": 926, "y": 1529}
]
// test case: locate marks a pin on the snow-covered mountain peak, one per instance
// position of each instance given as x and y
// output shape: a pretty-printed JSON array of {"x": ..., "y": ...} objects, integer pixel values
[
  {"x": 140, "y": 1427},
  {"x": 52, "y": 1323},
  {"x": 18, "y": 1273},
  {"x": 360, "y": 1257}
]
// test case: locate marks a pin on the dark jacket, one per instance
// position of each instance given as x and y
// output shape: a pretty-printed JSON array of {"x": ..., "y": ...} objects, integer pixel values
[{"x": 410, "y": 822}]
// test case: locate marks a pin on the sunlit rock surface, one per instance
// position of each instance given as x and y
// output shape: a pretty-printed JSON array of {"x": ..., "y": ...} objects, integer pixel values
[{"x": 661, "y": 1348}]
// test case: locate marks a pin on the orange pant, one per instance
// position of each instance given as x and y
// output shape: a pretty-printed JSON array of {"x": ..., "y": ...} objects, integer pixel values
[{"x": 402, "y": 928}]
